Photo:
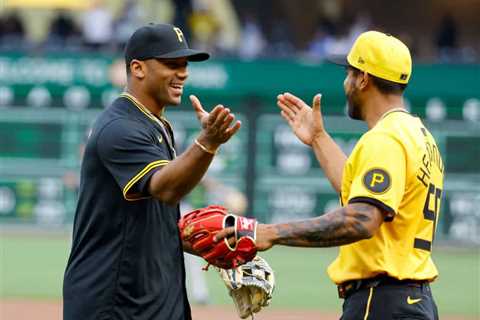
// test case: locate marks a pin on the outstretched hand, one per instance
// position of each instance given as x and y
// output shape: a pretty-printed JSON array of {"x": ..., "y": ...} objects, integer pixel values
[
  {"x": 217, "y": 125},
  {"x": 305, "y": 122},
  {"x": 263, "y": 239}
]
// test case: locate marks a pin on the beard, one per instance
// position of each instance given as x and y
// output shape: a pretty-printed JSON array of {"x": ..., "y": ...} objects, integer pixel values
[{"x": 354, "y": 105}]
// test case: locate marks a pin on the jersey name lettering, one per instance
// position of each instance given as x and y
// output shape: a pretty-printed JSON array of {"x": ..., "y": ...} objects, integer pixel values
[{"x": 430, "y": 158}]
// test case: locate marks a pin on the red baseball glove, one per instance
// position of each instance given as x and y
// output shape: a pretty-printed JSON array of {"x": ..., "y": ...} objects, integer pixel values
[{"x": 199, "y": 227}]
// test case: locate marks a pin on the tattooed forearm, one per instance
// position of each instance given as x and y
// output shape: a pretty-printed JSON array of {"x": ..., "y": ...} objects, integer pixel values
[{"x": 345, "y": 225}]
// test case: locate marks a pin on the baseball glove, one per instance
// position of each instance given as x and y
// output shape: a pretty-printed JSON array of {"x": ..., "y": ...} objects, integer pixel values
[
  {"x": 199, "y": 227},
  {"x": 250, "y": 285}
]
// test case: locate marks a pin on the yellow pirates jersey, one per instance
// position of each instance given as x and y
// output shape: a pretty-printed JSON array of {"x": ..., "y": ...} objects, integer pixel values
[{"x": 397, "y": 167}]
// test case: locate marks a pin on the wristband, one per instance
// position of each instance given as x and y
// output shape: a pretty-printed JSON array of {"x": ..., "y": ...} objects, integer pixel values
[{"x": 201, "y": 146}]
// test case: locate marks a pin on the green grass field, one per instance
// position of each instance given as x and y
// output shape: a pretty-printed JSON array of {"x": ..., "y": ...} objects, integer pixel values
[{"x": 32, "y": 267}]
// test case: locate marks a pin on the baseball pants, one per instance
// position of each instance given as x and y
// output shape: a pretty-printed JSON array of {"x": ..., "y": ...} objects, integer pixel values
[{"x": 391, "y": 301}]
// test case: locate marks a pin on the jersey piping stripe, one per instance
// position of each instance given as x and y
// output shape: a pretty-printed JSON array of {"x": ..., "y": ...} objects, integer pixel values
[
  {"x": 367, "y": 311},
  {"x": 144, "y": 110},
  {"x": 377, "y": 203},
  {"x": 140, "y": 107},
  {"x": 139, "y": 175}
]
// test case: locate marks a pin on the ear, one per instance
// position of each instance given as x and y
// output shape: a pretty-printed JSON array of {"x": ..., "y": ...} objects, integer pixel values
[
  {"x": 363, "y": 80},
  {"x": 138, "y": 68}
]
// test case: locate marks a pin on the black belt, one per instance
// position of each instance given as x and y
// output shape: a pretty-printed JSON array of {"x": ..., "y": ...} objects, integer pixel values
[{"x": 347, "y": 288}]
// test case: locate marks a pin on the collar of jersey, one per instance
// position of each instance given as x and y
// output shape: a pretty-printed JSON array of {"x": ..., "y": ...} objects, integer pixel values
[
  {"x": 142, "y": 108},
  {"x": 399, "y": 109},
  {"x": 151, "y": 116}
]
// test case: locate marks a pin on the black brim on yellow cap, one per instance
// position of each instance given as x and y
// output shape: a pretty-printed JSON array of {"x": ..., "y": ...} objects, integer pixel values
[{"x": 340, "y": 60}]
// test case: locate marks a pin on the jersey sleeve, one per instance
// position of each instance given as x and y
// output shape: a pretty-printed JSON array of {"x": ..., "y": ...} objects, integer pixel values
[
  {"x": 380, "y": 173},
  {"x": 131, "y": 155}
]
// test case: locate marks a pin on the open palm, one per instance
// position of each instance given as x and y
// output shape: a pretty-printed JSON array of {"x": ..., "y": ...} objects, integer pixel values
[
  {"x": 219, "y": 125},
  {"x": 305, "y": 122}
]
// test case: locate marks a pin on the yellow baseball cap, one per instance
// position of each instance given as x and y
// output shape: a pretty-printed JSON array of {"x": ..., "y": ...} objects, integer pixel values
[{"x": 381, "y": 55}]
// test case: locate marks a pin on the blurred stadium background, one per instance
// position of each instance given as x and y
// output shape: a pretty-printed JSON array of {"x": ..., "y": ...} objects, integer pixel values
[{"x": 61, "y": 64}]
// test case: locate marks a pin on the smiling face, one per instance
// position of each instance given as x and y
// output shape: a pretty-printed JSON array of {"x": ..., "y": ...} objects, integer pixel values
[{"x": 164, "y": 80}]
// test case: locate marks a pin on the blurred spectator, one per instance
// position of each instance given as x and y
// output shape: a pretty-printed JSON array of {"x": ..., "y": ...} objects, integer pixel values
[
  {"x": 410, "y": 42},
  {"x": 131, "y": 17},
  {"x": 321, "y": 45},
  {"x": 227, "y": 35},
  {"x": 252, "y": 41},
  {"x": 362, "y": 22},
  {"x": 97, "y": 26},
  {"x": 333, "y": 38},
  {"x": 63, "y": 32},
  {"x": 204, "y": 26},
  {"x": 12, "y": 31},
  {"x": 446, "y": 39},
  {"x": 323, "y": 40},
  {"x": 214, "y": 26},
  {"x": 183, "y": 10},
  {"x": 280, "y": 44},
  {"x": 347, "y": 30}
]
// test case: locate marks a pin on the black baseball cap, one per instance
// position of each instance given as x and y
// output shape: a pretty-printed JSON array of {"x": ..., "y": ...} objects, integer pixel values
[{"x": 160, "y": 41}]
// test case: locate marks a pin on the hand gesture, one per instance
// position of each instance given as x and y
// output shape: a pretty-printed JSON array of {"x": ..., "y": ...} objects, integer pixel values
[
  {"x": 305, "y": 122},
  {"x": 216, "y": 125},
  {"x": 264, "y": 236}
]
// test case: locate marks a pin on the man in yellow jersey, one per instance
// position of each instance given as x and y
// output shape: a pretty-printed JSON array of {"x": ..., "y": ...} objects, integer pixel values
[{"x": 390, "y": 189}]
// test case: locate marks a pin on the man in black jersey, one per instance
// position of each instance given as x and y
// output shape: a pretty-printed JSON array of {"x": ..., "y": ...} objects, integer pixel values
[{"x": 126, "y": 260}]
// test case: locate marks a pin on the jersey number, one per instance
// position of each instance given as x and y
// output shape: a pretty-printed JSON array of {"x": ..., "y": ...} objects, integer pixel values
[{"x": 430, "y": 212}]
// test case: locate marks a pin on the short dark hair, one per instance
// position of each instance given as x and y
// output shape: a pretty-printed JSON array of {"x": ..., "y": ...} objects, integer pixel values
[
  {"x": 384, "y": 86},
  {"x": 388, "y": 87}
]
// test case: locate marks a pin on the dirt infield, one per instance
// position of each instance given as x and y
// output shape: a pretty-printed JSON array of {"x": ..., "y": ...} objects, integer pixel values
[{"x": 52, "y": 310}]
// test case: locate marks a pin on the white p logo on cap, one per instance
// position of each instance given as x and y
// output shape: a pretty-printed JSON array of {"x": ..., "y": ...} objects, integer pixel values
[{"x": 179, "y": 33}]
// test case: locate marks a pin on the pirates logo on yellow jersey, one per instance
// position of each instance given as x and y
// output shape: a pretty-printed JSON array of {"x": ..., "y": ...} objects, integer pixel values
[{"x": 377, "y": 180}]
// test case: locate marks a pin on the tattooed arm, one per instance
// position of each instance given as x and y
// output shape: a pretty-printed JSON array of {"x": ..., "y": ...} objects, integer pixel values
[
  {"x": 354, "y": 222},
  {"x": 345, "y": 225}
]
